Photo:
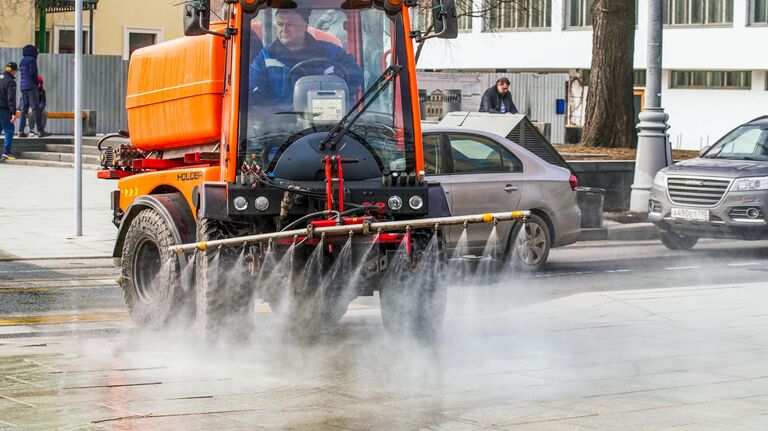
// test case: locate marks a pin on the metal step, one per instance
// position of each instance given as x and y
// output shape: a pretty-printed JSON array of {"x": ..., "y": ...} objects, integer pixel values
[
  {"x": 57, "y": 157},
  {"x": 47, "y": 164}
]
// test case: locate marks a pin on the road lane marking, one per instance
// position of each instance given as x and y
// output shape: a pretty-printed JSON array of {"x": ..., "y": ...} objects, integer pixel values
[
  {"x": 64, "y": 318},
  {"x": 677, "y": 268},
  {"x": 745, "y": 264},
  {"x": 5, "y": 397},
  {"x": 23, "y": 381},
  {"x": 265, "y": 309}
]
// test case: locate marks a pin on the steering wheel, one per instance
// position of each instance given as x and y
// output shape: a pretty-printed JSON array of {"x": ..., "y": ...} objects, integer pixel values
[{"x": 303, "y": 65}]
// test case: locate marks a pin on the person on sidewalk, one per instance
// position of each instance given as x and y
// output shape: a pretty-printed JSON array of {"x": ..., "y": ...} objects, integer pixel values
[
  {"x": 43, "y": 102},
  {"x": 29, "y": 95},
  {"x": 497, "y": 99},
  {"x": 8, "y": 107}
]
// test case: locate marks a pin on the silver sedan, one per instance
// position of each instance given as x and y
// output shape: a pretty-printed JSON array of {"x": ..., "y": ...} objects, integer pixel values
[{"x": 481, "y": 171}]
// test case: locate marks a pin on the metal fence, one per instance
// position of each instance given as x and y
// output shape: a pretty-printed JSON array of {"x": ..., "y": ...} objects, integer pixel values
[
  {"x": 535, "y": 94},
  {"x": 105, "y": 80}
]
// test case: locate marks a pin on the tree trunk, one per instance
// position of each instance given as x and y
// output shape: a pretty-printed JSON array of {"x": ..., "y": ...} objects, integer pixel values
[{"x": 610, "y": 117}]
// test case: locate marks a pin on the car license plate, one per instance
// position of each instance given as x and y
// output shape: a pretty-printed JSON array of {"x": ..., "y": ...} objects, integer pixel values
[{"x": 690, "y": 214}]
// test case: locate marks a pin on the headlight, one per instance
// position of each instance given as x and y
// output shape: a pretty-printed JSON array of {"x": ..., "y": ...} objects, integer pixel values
[
  {"x": 262, "y": 203},
  {"x": 416, "y": 202},
  {"x": 395, "y": 203},
  {"x": 660, "y": 179},
  {"x": 240, "y": 203},
  {"x": 750, "y": 184}
]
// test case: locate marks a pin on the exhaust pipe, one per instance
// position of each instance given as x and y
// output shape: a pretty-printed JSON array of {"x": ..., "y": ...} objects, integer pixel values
[{"x": 365, "y": 228}]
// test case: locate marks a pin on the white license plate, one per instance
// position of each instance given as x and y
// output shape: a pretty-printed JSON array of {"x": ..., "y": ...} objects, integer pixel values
[{"x": 690, "y": 214}]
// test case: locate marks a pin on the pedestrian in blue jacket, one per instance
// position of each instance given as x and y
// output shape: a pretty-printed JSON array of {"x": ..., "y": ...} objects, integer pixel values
[
  {"x": 8, "y": 107},
  {"x": 29, "y": 95}
]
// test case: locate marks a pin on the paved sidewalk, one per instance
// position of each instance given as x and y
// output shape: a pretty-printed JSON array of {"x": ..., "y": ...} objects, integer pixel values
[{"x": 37, "y": 214}]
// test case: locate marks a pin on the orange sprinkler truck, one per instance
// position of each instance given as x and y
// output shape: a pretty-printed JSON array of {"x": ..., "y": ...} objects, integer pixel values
[{"x": 276, "y": 154}]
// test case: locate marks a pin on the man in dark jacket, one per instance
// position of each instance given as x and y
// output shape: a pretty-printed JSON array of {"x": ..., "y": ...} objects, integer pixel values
[
  {"x": 497, "y": 99},
  {"x": 8, "y": 107},
  {"x": 29, "y": 95},
  {"x": 269, "y": 73}
]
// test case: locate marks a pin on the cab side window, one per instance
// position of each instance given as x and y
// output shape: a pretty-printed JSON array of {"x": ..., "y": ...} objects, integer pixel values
[
  {"x": 475, "y": 154},
  {"x": 433, "y": 154}
]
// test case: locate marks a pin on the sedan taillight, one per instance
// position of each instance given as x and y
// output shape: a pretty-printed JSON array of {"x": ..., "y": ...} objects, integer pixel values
[{"x": 574, "y": 182}]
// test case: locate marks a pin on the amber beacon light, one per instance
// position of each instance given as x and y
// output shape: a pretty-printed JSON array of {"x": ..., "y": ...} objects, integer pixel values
[
  {"x": 393, "y": 6},
  {"x": 250, "y": 6}
]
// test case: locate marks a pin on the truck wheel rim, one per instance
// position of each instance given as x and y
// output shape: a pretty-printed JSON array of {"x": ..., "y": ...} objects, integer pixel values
[
  {"x": 146, "y": 269},
  {"x": 532, "y": 244}
]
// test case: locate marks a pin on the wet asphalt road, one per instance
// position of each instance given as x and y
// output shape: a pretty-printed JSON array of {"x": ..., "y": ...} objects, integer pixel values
[{"x": 70, "y": 359}]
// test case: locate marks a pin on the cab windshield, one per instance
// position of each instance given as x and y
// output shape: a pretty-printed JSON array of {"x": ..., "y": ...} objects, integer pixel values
[
  {"x": 746, "y": 142},
  {"x": 307, "y": 67}
]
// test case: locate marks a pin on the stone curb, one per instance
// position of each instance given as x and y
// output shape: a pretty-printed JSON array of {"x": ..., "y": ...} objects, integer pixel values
[{"x": 621, "y": 232}]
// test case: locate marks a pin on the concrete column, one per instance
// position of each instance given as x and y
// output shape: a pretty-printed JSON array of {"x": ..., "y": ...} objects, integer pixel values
[{"x": 653, "y": 150}]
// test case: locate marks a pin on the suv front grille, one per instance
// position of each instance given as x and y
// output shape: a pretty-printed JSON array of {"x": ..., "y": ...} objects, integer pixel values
[{"x": 696, "y": 191}]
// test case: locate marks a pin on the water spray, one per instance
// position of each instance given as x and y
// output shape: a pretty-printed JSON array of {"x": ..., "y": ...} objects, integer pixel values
[{"x": 366, "y": 228}]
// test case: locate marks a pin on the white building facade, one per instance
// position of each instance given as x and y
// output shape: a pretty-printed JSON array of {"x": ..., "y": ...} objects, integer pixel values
[{"x": 715, "y": 55}]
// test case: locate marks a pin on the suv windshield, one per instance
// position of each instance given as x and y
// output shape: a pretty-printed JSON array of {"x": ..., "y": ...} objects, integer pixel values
[
  {"x": 746, "y": 142},
  {"x": 308, "y": 66}
]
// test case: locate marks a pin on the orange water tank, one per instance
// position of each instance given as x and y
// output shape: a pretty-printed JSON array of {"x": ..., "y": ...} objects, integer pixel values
[{"x": 175, "y": 93}]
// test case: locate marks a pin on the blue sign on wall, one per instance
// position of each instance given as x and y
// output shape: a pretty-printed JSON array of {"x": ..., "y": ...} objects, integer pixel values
[{"x": 560, "y": 106}]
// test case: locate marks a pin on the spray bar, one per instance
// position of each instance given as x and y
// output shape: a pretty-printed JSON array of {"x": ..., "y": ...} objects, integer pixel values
[{"x": 364, "y": 228}]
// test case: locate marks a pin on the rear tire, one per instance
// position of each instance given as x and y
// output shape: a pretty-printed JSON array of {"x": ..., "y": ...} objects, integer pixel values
[
  {"x": 413, "y": 302},
  {"x": 224, "y": 291},
  {"x": 529, "y": 245},
  {"x": 675, "y": 241},
  {"x": 150, "y": 276}
]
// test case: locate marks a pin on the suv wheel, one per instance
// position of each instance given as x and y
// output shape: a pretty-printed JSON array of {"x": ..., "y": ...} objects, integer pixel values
[{"x": 675, "y": 241}]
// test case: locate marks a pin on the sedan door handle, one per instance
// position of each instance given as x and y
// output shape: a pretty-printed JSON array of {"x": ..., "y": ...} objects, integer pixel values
[{"x": 509, "y": 188}]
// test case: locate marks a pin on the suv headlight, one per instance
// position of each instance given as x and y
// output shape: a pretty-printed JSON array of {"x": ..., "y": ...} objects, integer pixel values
[
  {"x": 750, "y": 184},
  {"x": 660, "y": 179}
]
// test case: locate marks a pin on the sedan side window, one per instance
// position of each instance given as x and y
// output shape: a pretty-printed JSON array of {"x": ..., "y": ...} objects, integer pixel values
[
  {"x": 475, "y": 154},
  {"x": 433, "y": 154}
]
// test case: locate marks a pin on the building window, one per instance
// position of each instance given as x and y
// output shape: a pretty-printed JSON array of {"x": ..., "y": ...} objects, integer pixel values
[
  {"x": 47, "y": 39},
  {"x": 759, "y": 11},
  {"x": 734, "y": 80},
  {"x": 421, "y": 16},
  {"x": 698, "y": 12},
  {"x": 504, "y": 14},
  {"x": 136, "y": 38},
  {"x": 64, "y": 42},
  {"x": 579, "y": 13},
  {"x": 638, "y": 78}
]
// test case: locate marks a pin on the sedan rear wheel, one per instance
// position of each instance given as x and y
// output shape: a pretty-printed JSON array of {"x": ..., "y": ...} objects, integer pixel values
[{"x": 530, "y": 244}]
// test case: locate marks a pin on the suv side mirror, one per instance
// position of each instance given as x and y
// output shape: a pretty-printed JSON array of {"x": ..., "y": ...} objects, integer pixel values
[
  {"x": 704, "y": 150},
  {"x": 445, "y": 18},
  {"x": 197, "y": 17}
]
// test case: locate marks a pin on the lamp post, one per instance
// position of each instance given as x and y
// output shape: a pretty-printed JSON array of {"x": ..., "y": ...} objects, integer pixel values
[
  {"x": 78, "y": 117},
  {"x": 653, "y": 150}
]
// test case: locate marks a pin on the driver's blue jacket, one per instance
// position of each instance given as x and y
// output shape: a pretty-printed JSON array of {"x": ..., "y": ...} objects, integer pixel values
[{"x": 270, "y": 84}]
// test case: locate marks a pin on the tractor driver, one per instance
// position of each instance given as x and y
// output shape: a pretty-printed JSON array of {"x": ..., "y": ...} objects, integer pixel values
[{"x": 270, "y": 83}]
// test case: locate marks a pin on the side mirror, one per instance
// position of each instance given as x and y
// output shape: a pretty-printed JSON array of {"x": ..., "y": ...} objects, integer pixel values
[
  {"x": 445, "y": 18},
  {"x": 197, "y": 17},
  {"x": 704, "y": 150}
]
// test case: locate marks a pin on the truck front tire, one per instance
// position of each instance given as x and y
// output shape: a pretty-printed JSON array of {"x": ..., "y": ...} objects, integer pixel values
[
  {"x": 224, "y": 295},
  {"x": 150, "y": 275}
]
